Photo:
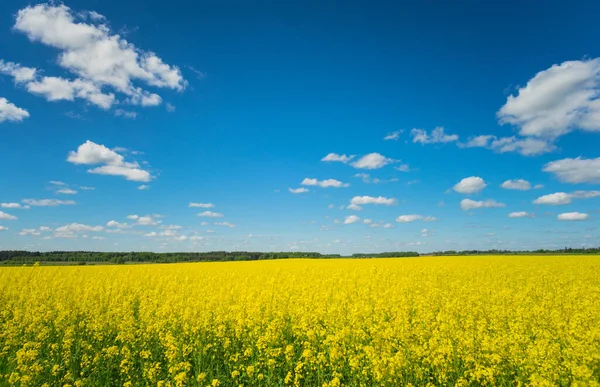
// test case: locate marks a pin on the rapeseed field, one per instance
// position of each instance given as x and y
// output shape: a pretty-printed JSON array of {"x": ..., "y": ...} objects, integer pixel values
[{"x": 452, "y": 321}]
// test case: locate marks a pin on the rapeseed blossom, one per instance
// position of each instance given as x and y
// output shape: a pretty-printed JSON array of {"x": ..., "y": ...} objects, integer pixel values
[{"x": 494, "y": 320}]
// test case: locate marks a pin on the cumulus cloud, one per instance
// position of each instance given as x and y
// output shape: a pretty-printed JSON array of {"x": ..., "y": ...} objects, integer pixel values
[
  {"x": 393, "y": 136},
  {"x": 358, "y": 201},
  {"x": 201, "y": 205},
  {"x": 526, "y": 146},
  {"x": 337, "y": 158},
  {"x": 90, "y": 153},
  {"x": 351, "y": 219},
  {"x": 298, "y": 190},
  {"x": 437, "y": 136},
  {"x": 224, "y": 224},
  {"x": 575, "y": 171},
  {"x": 408, "y": 218},
  {"x": 48, "y": 202},
  {"x": 556, "y": 101},
  {"x": 573, "y": 216},
  {"x": 72, "y": 230},
  {"x": 324, "y": 183},
  {"x": 5, "y": 216},
  {"x": 372, "y": 161},
  {"x": 10, "y": 112},
  {"x": 520, "y": 214},
  {"x": 560, "y": 198},
  {"x": 211, "y": 214},
  {"x": 98, "y": 57},
  {"x": 517, "y": 184},
  {"x": 13, "y": 205},
  {"x": 470, "y": 185},
  {"x": 116, "y": 224},
  {"x": 468, "y": 204}
]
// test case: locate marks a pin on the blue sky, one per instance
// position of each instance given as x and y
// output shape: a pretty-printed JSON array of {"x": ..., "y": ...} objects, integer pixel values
[{"x": 135, "y": 126}]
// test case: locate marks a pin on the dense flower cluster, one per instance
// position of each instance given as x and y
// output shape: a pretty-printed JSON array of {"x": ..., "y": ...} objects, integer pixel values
[{"x": 381, "y": 322}]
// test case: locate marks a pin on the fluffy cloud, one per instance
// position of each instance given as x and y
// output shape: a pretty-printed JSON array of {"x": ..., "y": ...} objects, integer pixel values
[
  {"x": 2, "y": 228},
  {"x": 520, "y": 214},
  {"x": 351, "y": 219},
  {"x": 468, "y": 204},
  {"x": 298, "y": 190},
  {"x": 224, "y": 224},
  {"x": 560, "y": 198},
  {"x": 337, "y": 158},
  {"x": 408, "y": 218},
  {"x": 5, "y": 216},
  {"x": 525, "y": 146},
  {"x": 19, "y": 73},
  {"x": 12, "y": 205},
  {"x": 437, "y": 136},
  {"x": 98, "y": 57},
  {"x": 372, "y": 161},
  {"x": 148, "y": 220},
  {"x": 518, "y": 184},
  {"x": 324, "y": 183},
  {"x": 66, "y": 191},
  {"x": 56, "y": 89},
  {"x": 73, "y": 229},
  {"x": 556, "y": 101},
  {"x": 572, "y": 216},
  {"x": 470, "y": 185},
  {"x": 90, "y": 153},
  {"x": 575, "y": 171},
  {"x": 357, "y": 201},
  {"x": 116, "y": 224},
  {"x": 202, "y": 205},
  {"x": 29, "y": 232},
  {"x": 394, "y": 135},
  {"x": 210, "y": 214},
  {"x": 10, "y": 112},
  {"x": 48, "y": 202}
]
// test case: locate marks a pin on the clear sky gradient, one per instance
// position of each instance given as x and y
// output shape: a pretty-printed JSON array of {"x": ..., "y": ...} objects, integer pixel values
[{"x": 331, "y": 126}]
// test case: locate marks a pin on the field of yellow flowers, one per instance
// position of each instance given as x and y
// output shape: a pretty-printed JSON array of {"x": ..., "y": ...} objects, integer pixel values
[{"x": 503, "y": 321}]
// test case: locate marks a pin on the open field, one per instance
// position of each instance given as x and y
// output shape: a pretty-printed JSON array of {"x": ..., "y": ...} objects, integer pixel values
[{"x": 488, "y": 320}]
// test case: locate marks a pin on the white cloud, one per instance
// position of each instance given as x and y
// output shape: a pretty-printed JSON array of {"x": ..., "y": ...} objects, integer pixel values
[
  {"x": 388, "y": 225},
  {"x": 66, "y": 191},
  {"x": 525, "y": 146},
  {"x": 143, "y": 187},
  {"x": 19, "y": 73},
  {"x": 556, "y": 101},
  {"x": 324, "y": 183},
  {"x": 98, "y": 238},
  {"x": 394, "y": 135},
  {"x": 429, "y": 219},
  {"x": 48, "y": 202},
  {"x": 408, "y": 218},
  {"x": 132, "y": 217},
  {"x": 126, "y": 114},
  {"x": 572, "y": 216},
  {"x": 468, "y": 204},
  {"x": 367, "y": 221},
  {"x": 10, "y": 205},
  {"x": 470, "y": 185},
  {"x": 147, "y": 221},
  {"x": 116, "y": 224},
  {"x": 74, "y": 229},
  {"x": 204, "y": 224},
  {"x": 576, "y": 170},
  {"x": 29, "y": 232},
  {"x": 358, "y": 201},
  {"x": 517, "y": 184},
  {"x": 403, "y": 168},
  {"x": 10, "y": 112},
  {"x": 170, "y": 108},
  {"x": 202, "y": 205},
  {"x": 211, "y": 214},
  {"x": 560, "y": 198},
  {"x": 437, "y": 136},
  {"x": 5, "y": 216},
  {"x": 224, "y": 224},
  {"x": 2, "y": 228},
  {"x": 351, "y": 219},
  {"x": 298, "y": 190},
  {"x": 372, "y": 161},
  {"x": 520, "y": 214},
  {"x": 338, "y": 158},
  {"x": 90, "y": 153},
  {"x": 99, "y": 58},
  {"x": 538, "y": 186},
  {"x": 57, "y": 89}
]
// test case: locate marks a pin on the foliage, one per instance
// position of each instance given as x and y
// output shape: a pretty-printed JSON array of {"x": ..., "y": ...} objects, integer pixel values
[{"x": 439, "y": 321}]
